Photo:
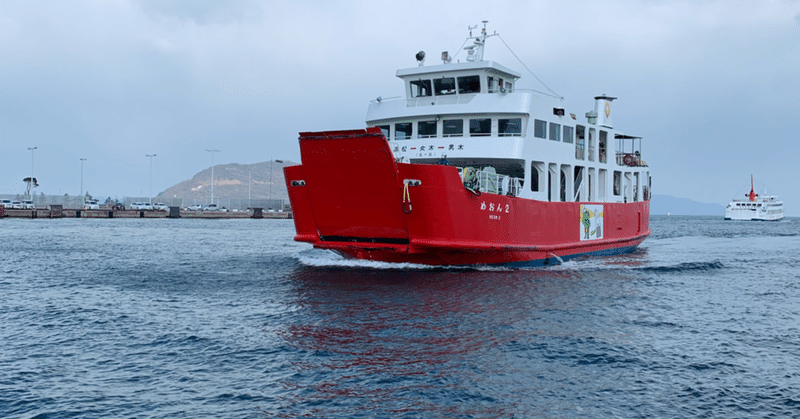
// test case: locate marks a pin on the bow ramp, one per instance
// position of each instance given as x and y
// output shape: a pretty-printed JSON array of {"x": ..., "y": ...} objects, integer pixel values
[{"x": 353, "y": 187}]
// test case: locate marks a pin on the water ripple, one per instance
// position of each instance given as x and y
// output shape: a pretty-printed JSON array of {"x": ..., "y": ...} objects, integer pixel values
[{"x": 185, "y": 318}]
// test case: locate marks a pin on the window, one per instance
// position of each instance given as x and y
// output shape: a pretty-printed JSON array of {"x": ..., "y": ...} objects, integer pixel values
[
  {"x": 421, "y": 88},
  {"x": 490, "y": 82},
  {"x": 568, "y": 132},
  {"x": 402, "y": 131},
  {"x": 384, "y": 130},
  {"x": 577, "y": 181},
  {"x": 453, "y": 127},
  {"x": 617, "y": 182},
  {"x": 509, "y": 127},
  {"x": 426, "y": 129},
  {"x": 580, "y": 142},
  {"x": 445, "y": 86},
  {"x": 539, "y": 129},
  {"x": 469, "y": 84},
  {"x": 508, "y": 87},
  {"x": 555, "y": 132},
  {"x": 603, "y": 142},
  {"x": 480, "y": 127},
  {"x": 537, "y": 170}
]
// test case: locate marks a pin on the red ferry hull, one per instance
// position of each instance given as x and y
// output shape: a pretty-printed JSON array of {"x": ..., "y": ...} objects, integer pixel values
[{"x": 349, "y": 196}]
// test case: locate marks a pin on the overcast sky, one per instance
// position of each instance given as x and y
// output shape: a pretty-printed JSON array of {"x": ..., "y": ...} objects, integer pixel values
[{"x": 712, "y": 86}]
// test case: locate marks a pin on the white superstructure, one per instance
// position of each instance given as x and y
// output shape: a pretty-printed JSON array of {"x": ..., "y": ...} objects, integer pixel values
[
  {"x": 471, "y": 114},
  {"x": 755, "y": 208},
  {"x": 764, "y": 208}
]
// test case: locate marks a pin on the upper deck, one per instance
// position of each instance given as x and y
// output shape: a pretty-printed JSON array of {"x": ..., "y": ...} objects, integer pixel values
[{"x": 472, "y": 114}]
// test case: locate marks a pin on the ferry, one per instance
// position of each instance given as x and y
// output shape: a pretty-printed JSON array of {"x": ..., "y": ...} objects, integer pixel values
[
  {"x": 755, "y": 208},
  {"x": 467, "y": 168}
]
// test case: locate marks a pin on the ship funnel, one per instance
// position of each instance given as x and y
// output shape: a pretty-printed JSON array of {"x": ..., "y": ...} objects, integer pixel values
[{"x": 602, "y": 107}]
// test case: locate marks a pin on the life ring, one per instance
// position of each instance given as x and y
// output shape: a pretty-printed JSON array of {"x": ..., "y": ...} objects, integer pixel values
[{"x": 628, "y": 160}]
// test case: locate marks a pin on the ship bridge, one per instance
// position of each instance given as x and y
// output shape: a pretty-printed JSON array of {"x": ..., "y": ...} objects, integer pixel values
[{"x": 436, "y": 84}]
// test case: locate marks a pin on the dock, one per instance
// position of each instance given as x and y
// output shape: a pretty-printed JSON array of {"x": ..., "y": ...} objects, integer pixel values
[{"x": 55, "y": 211}]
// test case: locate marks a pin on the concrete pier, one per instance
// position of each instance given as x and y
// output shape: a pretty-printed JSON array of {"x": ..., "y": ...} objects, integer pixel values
[{"x": 56, "y": 211}]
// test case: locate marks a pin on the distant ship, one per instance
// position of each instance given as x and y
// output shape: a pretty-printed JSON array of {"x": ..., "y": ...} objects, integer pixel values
[
  {"x": 468, "y": 169},
  {"x": 755, "y": 208}
]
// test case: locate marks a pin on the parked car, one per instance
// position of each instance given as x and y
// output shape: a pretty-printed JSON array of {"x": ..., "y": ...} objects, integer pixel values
[
  {"x": 28, "y": 205},
  {"x": 16, "y": 204},
  {"x": 214, "y": 208},
  {"x": 119, "y": 206},
  {"x": 6, "y": 203},
  {"x": 91, "y": 204},
  {"x": 141, "y": 206},
  {"x": 160, "y": 206},
  {"x": 195, "y": 207}
]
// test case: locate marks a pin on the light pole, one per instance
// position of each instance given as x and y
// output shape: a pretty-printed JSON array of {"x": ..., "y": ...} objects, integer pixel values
[
  {"x": 151, "y": 176},
  {"x": 270, "y": 179},
  {"x": 83, "y": 203},
  {"x": 31, "y": 183},
  {"x": 248, "y": 190},
  {"x": 212, "y": 172}
]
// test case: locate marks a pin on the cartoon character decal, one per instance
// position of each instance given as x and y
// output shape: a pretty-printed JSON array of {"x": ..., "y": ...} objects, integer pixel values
[{"x": 591, "y": 222}]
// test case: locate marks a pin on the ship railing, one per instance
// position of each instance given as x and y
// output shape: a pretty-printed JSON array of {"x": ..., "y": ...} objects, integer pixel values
[
  {"x": 630, "y": 159},
  {"x": 455, "y": 98},
  {"x": 489, "y": 181}
]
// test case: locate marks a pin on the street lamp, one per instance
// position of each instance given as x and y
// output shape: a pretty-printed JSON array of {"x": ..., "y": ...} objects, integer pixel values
[
  {"x": 31, "y": 183},
  {"x": 212, "y": 172},
  {"x": 151, "y": 176},
  {"x": 83, "y": 203},
  {"x": 270, "y": 179},
  {"x": 248, "y": 190}
]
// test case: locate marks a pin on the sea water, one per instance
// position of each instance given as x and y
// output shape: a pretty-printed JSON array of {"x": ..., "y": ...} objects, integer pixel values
[{"x": 147, "y": 318}]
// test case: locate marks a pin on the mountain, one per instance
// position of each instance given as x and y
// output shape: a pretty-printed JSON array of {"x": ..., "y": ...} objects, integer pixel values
[
  {"x": 666, "y": 204},
  {"x": 231, "y": 181}
]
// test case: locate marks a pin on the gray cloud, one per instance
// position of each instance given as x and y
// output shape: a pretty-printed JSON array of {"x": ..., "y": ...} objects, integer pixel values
[
  {"x": 711, "y": 87},
  {"x": 205, "y": 12}
]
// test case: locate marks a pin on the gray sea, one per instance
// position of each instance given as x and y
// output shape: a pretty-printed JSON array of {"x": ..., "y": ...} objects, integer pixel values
[{"x": 166, "y": 318}]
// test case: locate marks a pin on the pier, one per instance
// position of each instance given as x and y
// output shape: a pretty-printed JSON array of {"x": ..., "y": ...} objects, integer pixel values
[{"x": 56, "y": 211}]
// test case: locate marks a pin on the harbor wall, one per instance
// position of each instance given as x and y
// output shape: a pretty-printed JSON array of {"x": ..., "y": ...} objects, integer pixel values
[{"x": 58, "y": 212}]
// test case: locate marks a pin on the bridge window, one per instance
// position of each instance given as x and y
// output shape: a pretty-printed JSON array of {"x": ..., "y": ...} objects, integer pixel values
[
  {"x": 420, "y": 88},
  {"x": 480, "y": 127},
  {"x": 469, "y": 84},
  {"x": 444, "y": 86},
  {"x": 453, "y": 127},
  {"x": 402, "y": 131},
  {"x": 384, "y": 130},
  {"x": 555, "y": 132},
  {"x": 539, "y": 129},
  {"x": 509, "y": 127},
  {"x": 426, "y": 129}
]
